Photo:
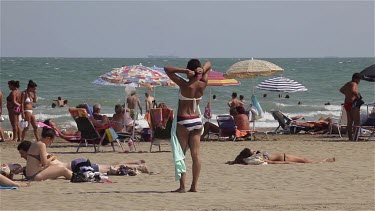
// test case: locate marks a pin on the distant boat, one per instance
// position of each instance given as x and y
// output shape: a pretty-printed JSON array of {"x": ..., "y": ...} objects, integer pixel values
[{"x": 162, "y": 57}]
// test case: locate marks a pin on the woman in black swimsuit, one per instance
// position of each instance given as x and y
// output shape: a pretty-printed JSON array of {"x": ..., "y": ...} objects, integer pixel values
[
  {"x": 38, "y": 166},
  {"x": 274, "y": 158},
  {"x": 14, "y": 108}
]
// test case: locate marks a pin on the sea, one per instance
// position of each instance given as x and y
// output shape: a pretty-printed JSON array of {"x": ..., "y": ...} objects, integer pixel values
[{"x": 72, "y": 79}]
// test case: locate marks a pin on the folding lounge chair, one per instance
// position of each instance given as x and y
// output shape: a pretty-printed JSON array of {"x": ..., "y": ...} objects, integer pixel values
[
  {"x": 89, "y": 134},
  {"x": 286, "y": 123},
  {"x": 227, "y": 127},
  {"x": 340, "y": 123},
  {"x": 160, "y": 121}
]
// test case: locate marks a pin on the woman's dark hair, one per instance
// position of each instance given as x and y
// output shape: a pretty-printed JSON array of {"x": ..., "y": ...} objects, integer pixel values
[
  {"x": 193, "y": 64},
  {"x": 240, "y": 110},
  {"x": 24, "y": 145},
  {"x": 14, "y": 83},
  {"x": 31, "y": 84},
  {"x": 48, "y": 132},
  {"x": 47, "y": 122},
  {"x": 245, "y": 153},
  {"x": 234, "y": 94}
]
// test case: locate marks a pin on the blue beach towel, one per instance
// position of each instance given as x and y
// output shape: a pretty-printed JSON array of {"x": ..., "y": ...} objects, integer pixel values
[
  {"x": 8, "y": 188},
  {"x": 178, "y": 154}
]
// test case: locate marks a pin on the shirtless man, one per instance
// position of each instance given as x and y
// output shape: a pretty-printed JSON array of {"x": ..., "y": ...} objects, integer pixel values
[
  {"x": 233, "y": 103},
  {"x": 350, "y": 90},
  {"x": 132, "y": 102},
  {"x": 149, "y": 101}
]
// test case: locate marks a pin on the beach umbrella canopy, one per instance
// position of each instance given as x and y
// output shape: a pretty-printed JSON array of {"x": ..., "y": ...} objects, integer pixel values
[
  {"x": 281, "y": 84},
  {"x": 368, "y": 74},
  {"x": 216, "y": 78},
  {"x": 136, "y": 75},
  {"x": 252, "y": 68}
]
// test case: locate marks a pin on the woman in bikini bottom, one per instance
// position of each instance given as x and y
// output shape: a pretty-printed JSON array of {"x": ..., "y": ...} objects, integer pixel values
[
  {"x": 275, "y": 158},
  {"x": 190, "y": 122}
]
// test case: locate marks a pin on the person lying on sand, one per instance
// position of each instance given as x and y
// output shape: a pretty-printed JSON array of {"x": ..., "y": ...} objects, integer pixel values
[
  {"x": 274, "y": 158},
  {"x": 6, "y": 182},
  {"x": 140, "y": 165}
]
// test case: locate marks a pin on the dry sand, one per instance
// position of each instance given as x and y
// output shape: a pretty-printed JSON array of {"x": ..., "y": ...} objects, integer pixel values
[{"x": 347, "y": 184}]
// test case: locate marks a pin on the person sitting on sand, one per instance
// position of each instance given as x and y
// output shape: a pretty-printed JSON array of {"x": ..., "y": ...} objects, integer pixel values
[
  {"x": 6, "y": 182},
  {"x": 118, "y": 119},
  {"x": 38, "y": 166},
  {"x": 241, "y": 120},
  {"x": 274, "y": 158},
  {"x": 140, "y": 165}
]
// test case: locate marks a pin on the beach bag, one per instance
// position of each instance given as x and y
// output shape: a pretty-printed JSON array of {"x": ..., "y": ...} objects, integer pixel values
[
  {"x": 255, "y": 160},
  {"x": 17, "y": 109},
  {"x": 111, "y": 134},
  {"x": 23, "y": 123},
  {"x": 79, "y": 172}
]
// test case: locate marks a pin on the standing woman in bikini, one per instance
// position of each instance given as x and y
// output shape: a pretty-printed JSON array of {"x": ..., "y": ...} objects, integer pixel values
[
  {"x": 14, "y": 108},
  {"x": 38, "y": 166},
  {"x": 28, "y": 97},
  {"x": 189, "y": 123}
]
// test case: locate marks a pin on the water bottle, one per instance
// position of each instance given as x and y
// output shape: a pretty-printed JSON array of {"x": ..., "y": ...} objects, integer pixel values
[{"x": 131, "y": 146}]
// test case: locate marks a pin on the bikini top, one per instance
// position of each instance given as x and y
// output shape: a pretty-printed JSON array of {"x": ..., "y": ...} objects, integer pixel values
[
  {"x": 35, "y": 156},
  {"x": 181, "y": 97},
  {"x": 28, "y": 99}
]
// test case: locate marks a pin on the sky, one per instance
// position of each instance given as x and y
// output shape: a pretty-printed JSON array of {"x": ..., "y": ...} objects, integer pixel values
[{"x": 211, "y": 29}]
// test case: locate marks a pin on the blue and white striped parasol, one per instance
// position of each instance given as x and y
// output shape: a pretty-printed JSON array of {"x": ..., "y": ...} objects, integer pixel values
[{"x": 281, "y": 84}]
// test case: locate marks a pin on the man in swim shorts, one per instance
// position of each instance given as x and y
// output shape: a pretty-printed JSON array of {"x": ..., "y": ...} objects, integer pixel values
[
  {"x": 132, "y": 102},
  {"x": 350, "y": 90}
]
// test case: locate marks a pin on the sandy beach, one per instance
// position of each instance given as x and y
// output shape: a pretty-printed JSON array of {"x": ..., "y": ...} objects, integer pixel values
[{"x": 347, "y": 184}]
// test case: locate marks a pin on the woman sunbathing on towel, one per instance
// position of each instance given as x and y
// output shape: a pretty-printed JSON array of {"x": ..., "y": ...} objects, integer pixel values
[
  {"x": 38, "y": 166},
  {"x": 140, "y": 165},
  {"x": 274, "y": 158}
]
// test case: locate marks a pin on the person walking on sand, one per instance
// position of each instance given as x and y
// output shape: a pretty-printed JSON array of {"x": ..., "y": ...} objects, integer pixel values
[
  {"x": 149, "y": 101},
  {"x": 14, "y": 108},
  {"x": 132, "y": 102},
  {"x": 28, "y": 97},
  {"x": 352, "y": 103},
  {"x": 187, "y": 127}
]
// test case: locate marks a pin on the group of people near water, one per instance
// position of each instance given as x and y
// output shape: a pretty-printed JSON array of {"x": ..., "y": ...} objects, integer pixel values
[{"x": 186, "y": 130}]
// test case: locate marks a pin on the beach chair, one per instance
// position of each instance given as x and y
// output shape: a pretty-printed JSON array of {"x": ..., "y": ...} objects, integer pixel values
[
  {"x": 160, "y": 122},
  {"x": 285, "y": 123},
  {"x": 90, "y": 134},
  {"x": 339, "y": 123},
  {"x": 227, "y": 127},
  {"x": 367, "y": 129}
]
